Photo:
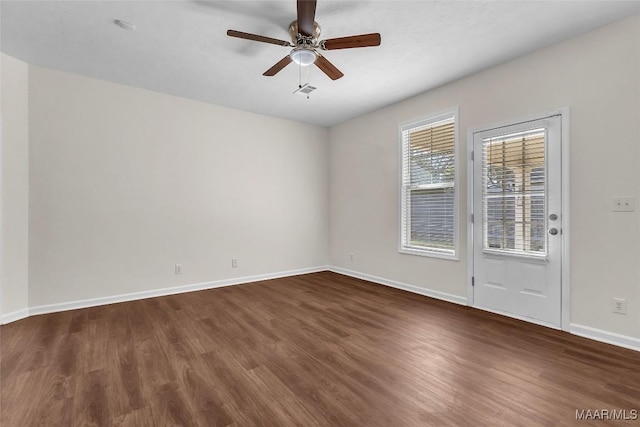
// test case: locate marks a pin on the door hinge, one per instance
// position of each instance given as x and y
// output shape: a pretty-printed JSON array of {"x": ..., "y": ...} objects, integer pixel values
[
  {"x": 472, "y": 156},
  {"x": 471, "y": 218},
  {"x": 473, "y": 281}
]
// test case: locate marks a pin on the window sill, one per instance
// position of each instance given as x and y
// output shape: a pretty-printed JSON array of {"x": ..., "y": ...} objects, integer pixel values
[{"x": 429, "y": 254}]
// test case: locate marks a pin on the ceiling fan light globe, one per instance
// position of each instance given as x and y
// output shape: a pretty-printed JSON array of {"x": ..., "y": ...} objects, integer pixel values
[{"x": 303, "y": 56}]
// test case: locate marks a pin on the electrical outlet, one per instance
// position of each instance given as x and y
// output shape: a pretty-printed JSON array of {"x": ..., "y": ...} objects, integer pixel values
[
  {"x": 351, "y": 257},
  {"x": 624, "y": 204},
  {"x": 178, "y": 268},
  {"x": 620, "y": 306},
  {"x": 234, "y": 263}
]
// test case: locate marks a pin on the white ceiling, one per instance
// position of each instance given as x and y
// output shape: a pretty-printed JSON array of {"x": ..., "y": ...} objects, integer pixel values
[{"x": 181, "y": 47}]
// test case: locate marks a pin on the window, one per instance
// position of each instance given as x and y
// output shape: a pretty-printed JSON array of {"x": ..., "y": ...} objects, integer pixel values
[
  {"x": 514, "y": 193},
  {"x": 428, "y": 193}
]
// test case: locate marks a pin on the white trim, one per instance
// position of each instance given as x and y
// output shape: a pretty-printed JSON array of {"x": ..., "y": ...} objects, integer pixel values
[
  {"x": 565, "y": 311},
  {"x": 604, "y": 336},
  {"x": 2, "y": 315},
  {"x": 519, "y": 120},
  {"x": 427, "y": 120},
  {"x": 470, "y": 252},
  {"x": 575, "y": 329},
  {"x": 580, "y": 330},
  {"x": 93, "y": 302},
  {"x": 398, "y": 285},
  {"x": 14, "y": 315},
  {"x": 565, "y": 315},
  {"x": 429, "y": 253}
]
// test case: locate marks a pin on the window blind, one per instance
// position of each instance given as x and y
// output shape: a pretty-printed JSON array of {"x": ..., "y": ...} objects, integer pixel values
[
  {"x": 513, "y": 171},
  {"x": 428, "y": 186}
]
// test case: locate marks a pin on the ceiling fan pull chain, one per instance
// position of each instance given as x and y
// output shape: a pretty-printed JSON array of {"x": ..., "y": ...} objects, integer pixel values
[{"x": 299, "y": 76}]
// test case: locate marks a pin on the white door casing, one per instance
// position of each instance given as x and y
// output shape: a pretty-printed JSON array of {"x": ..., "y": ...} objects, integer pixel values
[{"x": 517, "y": 206}]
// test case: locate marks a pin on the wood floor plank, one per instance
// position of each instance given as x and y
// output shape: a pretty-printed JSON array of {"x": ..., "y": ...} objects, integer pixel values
[
  {"x": 314, "y": 350},
  {"x": 91, "y": 401}
]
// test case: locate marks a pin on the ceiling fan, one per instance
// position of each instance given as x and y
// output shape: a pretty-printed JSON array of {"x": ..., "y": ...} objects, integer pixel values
[{"x": 304, "y": 34}]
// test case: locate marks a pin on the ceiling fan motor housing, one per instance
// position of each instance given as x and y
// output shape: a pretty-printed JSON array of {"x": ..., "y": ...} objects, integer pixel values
[{"x": 304, "y": 41}]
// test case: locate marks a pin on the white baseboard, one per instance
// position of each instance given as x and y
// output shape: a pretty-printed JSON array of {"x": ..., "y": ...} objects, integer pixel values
[
  {"x": 14, "y": 315},
  {"x": 583, "y": 331},
  {"x": 605, "y": 336},
  {"x": 93, "y": 302},
  {"x": 410, "y": 288},
  {"x": 580, "y": 330}
]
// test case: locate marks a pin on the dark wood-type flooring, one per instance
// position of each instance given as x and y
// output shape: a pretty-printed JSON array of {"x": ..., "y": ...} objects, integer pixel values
[{"x": 319, "y": 349}]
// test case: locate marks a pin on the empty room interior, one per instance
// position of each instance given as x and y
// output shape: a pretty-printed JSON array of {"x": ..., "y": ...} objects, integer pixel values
[{"x": 281, "y": 213}]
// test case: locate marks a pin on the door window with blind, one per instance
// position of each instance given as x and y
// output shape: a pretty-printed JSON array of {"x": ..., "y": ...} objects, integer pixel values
[
  {"x": 513, "y": 198},
  {"x": 428, "y": 187}
]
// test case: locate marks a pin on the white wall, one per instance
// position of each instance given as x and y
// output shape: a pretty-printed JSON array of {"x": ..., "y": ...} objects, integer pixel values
[
  {"x": 598, "y": 76},
  {"x": 14, "y": 186},
  {"x": 125, "y": 183}
]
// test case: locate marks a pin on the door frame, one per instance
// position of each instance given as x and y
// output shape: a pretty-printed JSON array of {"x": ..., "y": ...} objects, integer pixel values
[{"x": 565, "y": 312}]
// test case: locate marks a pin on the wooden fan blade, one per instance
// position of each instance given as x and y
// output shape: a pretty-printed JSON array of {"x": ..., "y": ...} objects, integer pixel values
[
  {"x": 328, "y": 68},
  {"x": 279, "y": 66},
  {"x": 306, "y": 16},
  {"x": 257, "y": 38},
  {"x": 362, "y": 40}
]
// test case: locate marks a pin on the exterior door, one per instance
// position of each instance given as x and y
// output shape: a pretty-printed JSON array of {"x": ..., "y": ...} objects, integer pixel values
[{"x": 517, "y": 231}]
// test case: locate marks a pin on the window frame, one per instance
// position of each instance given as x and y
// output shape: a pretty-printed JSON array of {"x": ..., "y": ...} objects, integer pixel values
[{"x": 403, "y": 218}]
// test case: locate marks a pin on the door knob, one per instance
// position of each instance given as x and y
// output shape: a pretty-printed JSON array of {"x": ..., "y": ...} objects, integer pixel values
[{"x": 553, "y": 231}]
